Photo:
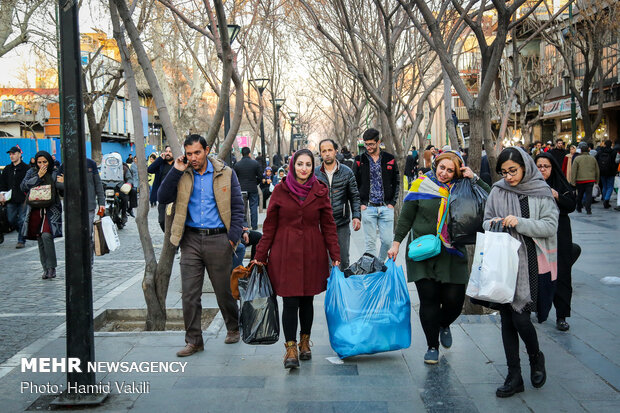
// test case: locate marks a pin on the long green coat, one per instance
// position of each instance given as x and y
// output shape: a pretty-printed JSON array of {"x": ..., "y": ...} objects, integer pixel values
[{"x": 419, "y": 218}]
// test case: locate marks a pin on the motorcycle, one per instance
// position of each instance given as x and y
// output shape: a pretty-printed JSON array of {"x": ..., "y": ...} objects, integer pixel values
[{"x": 113, "y": 204}]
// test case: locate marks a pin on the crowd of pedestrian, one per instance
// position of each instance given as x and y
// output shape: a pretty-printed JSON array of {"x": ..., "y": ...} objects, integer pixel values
[{"x": 312, "y": 203}]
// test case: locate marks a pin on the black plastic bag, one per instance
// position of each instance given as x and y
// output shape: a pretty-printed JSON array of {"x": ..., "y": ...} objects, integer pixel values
[
  {"x": 466, "y": 211},
  {"x": 367, "y": 264},
  {"x": 258, "y": 316}
]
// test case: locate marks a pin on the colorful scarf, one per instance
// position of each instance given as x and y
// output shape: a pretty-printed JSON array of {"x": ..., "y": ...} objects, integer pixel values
[{"x": 429, "y": 187}]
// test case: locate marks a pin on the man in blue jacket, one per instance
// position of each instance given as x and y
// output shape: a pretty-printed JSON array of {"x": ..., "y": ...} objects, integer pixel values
[{"x": 207, "y": 224}]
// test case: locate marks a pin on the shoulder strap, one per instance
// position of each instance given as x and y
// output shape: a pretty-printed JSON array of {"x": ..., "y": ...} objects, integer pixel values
[{"x": 443, "y": 217}]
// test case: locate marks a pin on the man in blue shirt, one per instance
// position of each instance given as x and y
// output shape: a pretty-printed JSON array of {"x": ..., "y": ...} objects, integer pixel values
[{"x": 207, "y": 224}]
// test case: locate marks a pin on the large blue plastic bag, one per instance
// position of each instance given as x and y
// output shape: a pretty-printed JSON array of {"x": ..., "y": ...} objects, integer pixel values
[{"x": 368, "y": 313}]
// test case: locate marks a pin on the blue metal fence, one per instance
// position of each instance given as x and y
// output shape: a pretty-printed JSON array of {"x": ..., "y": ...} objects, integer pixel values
[{"x": 53, "y": 146}]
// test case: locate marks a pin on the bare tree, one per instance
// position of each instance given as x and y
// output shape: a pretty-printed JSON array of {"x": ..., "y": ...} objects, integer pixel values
[
  {"x": 100, "y": 81},
  {"x": 441, "y": 23},
  {"x": 15, "y": 22},
  {"x": 387, "y": 60},
  {"x": 588, "y": 45}
]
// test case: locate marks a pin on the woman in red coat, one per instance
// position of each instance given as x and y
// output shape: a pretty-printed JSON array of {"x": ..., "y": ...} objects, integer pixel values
[{"x": 297, "y": 234}]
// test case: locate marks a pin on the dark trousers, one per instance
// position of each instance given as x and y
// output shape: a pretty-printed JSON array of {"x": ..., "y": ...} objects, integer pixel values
[
  {"x": 253, "y": 199},
  {"x": 440, "y": 305},
  {"x": 584, "y": 189},
  {"x": 133, "y": 198},
  {"x": 292, "y": 306},
  {"x": 344, "y": 240},
  {"x": 266, "y": 195},
  {"x": 197, "y": 253},
  {"x": 16, "y": 214},
  {"x": 47, "y": 251},
  {"x": 514, "y": 325},
  {"x": 161, "y": 216},
  {"x": 563, "y": 292}
]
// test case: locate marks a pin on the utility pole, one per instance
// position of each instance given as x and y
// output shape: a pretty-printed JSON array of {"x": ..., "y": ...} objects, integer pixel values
[{"x": 79, "y": 294}]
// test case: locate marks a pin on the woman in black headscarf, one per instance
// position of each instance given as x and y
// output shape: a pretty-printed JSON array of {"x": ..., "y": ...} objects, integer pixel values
[
  {"x": 564, "y": 196},
  {"x": 44, "y": 211}
]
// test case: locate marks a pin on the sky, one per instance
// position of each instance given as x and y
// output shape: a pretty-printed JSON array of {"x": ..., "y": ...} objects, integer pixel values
[{"x": 13, "y": 62}]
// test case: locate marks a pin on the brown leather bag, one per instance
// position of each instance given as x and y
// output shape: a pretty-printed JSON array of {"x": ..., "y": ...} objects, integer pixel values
[{"x": 239, "y": 272}]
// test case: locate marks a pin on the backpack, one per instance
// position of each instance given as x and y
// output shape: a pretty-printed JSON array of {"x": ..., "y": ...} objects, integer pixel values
[{"x": 605, "y": 161}]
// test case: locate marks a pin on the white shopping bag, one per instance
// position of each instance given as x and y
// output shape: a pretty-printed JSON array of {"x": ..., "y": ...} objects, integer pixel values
[
  {"x": 495, "y": 266},
  {"x": 110, "y": 233}
]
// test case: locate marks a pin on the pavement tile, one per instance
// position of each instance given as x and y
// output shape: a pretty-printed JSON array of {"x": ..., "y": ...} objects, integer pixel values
[
  {"x": 223, "y": 382},
  {"x": 600, "y": 406},
  {"x": 337, "y": 407}
]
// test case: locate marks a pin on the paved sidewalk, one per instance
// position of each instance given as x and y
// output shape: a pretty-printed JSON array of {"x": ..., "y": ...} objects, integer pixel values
[{"x": 583, "y": 364}]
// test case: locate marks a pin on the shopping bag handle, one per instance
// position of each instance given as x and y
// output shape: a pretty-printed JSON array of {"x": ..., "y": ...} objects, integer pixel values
[{"x": 496, "y": 226}]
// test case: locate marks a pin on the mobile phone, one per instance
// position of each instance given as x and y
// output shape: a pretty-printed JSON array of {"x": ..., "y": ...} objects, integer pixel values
[{"x": 185, "y": 159}]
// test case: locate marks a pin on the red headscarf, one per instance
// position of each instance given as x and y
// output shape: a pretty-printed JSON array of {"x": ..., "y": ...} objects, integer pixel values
[{"x": 300, "y": 190}]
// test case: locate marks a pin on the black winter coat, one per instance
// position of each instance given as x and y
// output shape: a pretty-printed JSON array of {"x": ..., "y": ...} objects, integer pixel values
[
  {"x": 249, "y": 173},
  {"x": 160, "y": 168},
  {"x": 343, "y": 193},
  {"x": 11, "y": 179},
  {"x": 389, "y": 173}
]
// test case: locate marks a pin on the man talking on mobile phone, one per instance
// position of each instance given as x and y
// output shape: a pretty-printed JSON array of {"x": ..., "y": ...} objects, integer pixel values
[{"x": 207, "y": 224}]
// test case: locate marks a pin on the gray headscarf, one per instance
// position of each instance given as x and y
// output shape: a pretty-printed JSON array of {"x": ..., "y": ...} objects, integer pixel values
[
  {"x": 532, "y": 184},
  {"x": 503, "y": 201}
]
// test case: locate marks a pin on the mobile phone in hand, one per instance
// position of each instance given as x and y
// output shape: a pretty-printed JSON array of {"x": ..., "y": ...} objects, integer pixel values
[{"x": 185, "y": 160}]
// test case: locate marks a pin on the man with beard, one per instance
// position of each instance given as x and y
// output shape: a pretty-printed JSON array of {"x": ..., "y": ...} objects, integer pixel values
[
  {"x": 343, "y": 194},
  {"x": 207, "y": 225},
  {"x": 376, "y": 173},
  {"x": 160, "y": 168}
]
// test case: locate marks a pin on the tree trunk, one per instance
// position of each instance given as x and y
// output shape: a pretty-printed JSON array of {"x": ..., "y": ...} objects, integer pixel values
[
  {"x": 149, "y": 74},
  {"x": 156, "y": 275},
  {"x": 447, "y": 104},
  {"x": 476, "y": 133}
]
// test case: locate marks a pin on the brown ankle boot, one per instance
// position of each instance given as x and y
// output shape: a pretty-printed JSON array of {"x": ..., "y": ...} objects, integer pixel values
[
  {"x": 304, "y": 347},
  {"x": 291, "y": 358}
]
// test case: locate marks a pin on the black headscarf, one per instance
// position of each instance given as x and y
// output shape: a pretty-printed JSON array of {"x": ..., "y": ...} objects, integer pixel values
[
  {"x": 50, "y": 161},
  {"x": 556, "y": 180}
]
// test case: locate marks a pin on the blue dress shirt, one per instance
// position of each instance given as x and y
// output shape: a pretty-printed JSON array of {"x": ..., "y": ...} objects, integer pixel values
[{"x": 202, "y": 208}]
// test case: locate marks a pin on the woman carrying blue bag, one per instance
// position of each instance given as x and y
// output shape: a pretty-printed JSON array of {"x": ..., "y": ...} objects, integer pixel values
[{"x": 440, "y": 273}]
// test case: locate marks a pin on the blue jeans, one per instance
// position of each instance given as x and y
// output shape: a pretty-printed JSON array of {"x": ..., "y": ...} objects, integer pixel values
[
  {"x": 253, "y": 200},
  {"x": 608, "y": 187},
  {"x": 237, "y": 258},
  {"x": 16, "y": 214},
  {"x": 381, "y": 219}
]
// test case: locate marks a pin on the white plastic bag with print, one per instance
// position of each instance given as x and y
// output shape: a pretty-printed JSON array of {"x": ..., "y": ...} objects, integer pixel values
[
  {"x": 494, "y": 269},
  {"x": 110, "y": 233}
]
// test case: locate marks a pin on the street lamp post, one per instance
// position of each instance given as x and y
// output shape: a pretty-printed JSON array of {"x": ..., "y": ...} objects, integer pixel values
[
  {"x": 292, "y": 115},
  {"x": 233, "y": 31},
  {"x": 260, "y": 85},
  {"x": 278, "y": 103}
]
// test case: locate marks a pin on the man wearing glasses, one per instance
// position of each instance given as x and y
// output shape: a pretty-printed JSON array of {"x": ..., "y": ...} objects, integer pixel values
[{"x": 376, "y": 173}]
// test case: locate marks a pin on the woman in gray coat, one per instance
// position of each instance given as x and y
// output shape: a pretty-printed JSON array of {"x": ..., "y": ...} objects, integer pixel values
[
  {"x": 43, "y": 223},
  {"x": 524, "y": 205}
]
